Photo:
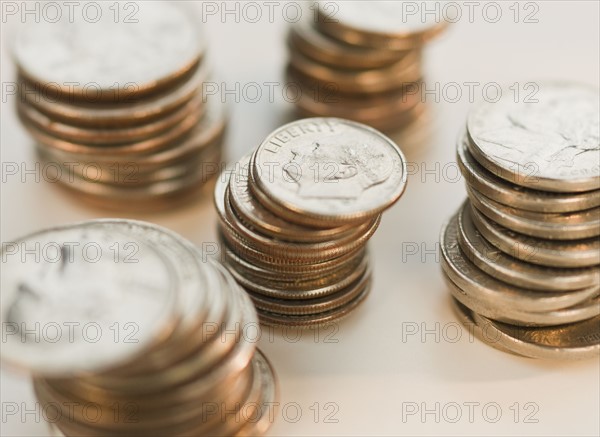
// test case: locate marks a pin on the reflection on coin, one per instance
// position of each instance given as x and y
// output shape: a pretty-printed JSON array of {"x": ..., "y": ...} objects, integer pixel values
[
  {"x": 504, "y": 192},
  {"x": 550, "y": 143},
  {"x": 508, "y": 269},
  {"x": 559, "y": 226},
  {"x": 575, "y": 253},
  {"x": 330, "y": 169},
  {"x": 155, "y": 48}
]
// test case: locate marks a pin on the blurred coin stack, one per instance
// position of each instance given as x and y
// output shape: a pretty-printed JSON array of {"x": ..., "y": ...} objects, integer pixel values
[
  {"x": 296, "y": 215},
  {"x": 522, "y": 255},
  {"x": 362, "y": 61},
  {"x": 116, "y": 106},
  {"x": 160, "y": 341}
]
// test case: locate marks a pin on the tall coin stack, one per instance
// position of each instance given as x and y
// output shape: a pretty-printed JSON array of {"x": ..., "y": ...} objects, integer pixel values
[
  {"x": 361, "y": 61},
  {"x": 116, "y": 105},
  {"x": 128, "y": 330},
  {"x": 522, "y": 255},
  {"x": 296, "y": 215}
]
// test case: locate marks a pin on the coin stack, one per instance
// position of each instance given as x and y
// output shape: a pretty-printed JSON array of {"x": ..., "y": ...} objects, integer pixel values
[
  {"x": 129, "y": 330},
  {"x": 361, "y": 61},
  {"x": 296, "y": 215},
  {"x": 522, "y": 255},
  {"x": 116, "y": 106}
]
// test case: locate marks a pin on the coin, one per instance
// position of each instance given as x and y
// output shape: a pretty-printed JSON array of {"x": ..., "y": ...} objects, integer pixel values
[
  {"x": 559, "y": 226},
  {"x": 575, "y": 253},
  {"x": 550, "y": 143},
  {"x": 78, "y": 56},
  {"x": 330, "y": 169},
  {"x": 580, "y": 340},
  {"x": 494, "y": 295},
  {"x": 508, "y": 269},
  {"x": 498, "y": 189},
  {"x": 376, "y": 24}
]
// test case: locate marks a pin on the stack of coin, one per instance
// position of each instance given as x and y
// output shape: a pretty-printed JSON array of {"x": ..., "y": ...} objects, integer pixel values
[
  {"x": 361, "y": 61},
  {"x": 522, "y": 255},
  {"x": 129, "y": 330},
  {"x": 296, "y": 215},
  {"x": 116, "y": 106}
]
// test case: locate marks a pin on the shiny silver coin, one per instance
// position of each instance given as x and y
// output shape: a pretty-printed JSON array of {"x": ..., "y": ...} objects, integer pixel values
[
  {"x": 553, "y": 226},
  {"x": 575, "y": 341},
  {"x": 550, "y": 143},
  {"x": 330, "y": 169},
  {"x": 92, "y": 273},
  {"x": 486, "y": 182},
  {"x": 113, "y": 58},
  {"x": 553, "y": 253},
  {"x": 514, "y": 271}
]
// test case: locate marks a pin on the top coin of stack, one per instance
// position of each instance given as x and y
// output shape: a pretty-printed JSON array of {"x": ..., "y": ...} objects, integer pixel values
[
  {"x": 522, "y": 256},
  {"x": 116, "y": 104},
  {"x": 130, "y": 318},
  {"x": 361, "y": 61},
  {"x": 296, "y": 215}
]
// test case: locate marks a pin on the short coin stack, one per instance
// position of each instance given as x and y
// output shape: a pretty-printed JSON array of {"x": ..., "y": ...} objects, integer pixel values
[
  {"x": 116, "y": 106},
  {"x": 522, "y": 255},
  {"x": 137, "y": 333},
  {"x": 361, "y": 61},
  {"x": 296, "y": 215}
]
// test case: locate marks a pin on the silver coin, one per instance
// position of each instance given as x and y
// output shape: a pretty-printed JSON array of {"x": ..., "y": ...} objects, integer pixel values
[
  {"x": 380, "y": 24},
  {"x": 112, "y": 55},
  {"x": 502, "y": 191},
  {"x": 493, "y": 295},
  {"x": 306, "y": 38},
  {"x": 553, "y": 253},
  {"x": 330, "y": 169},
  {"x": 82, "y": 275},
  {"x": 549, "y": 144},
  {"x": 508, "y": 269},
  {"x": 576, "y": 341},
  {"x": 553, "y": 226}
]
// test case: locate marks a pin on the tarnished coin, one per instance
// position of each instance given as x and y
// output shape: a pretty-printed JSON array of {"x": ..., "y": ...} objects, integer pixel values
[
  {"x": 330, "y": 169},
  {"x": 553, "y": 226},
  {"x": 502, "y": 191},
  {"x": 306, "y": 38},
  {"x": 80, "y": 276},
  {"x": 508, "y": 269},
  {"x": 376, "y": 24},
  {"x": 156, "y": 46},
  {"x": 575, "y": 341},
  {"x": 553, "y": 253},
  {"x": 550, "y": 142},
  {"x": 494, "y": 296}
]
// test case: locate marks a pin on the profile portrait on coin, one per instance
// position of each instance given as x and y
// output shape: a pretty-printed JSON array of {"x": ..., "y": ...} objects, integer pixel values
[{"x": 324, "y": 170}]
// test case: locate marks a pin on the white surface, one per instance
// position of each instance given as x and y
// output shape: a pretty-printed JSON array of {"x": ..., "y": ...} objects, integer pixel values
[{"x": 371, "y": 372}]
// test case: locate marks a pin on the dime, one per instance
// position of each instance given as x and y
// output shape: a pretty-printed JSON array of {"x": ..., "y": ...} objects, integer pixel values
[
  {"x": 508, "y": 269},
  {"x": 498, "y": 189},
  {"x": 330, "y": 169},
  {"x": 575, "y": 253},
  {"x": 79, "y": 58},
  {"x": 550, "y": 143},
  {"x": 559, "y": 226},
  {"x": 376, "y": 24}
]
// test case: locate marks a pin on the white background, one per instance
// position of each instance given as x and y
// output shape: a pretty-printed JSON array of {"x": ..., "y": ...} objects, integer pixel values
[{"x": 374, "y": 368}]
